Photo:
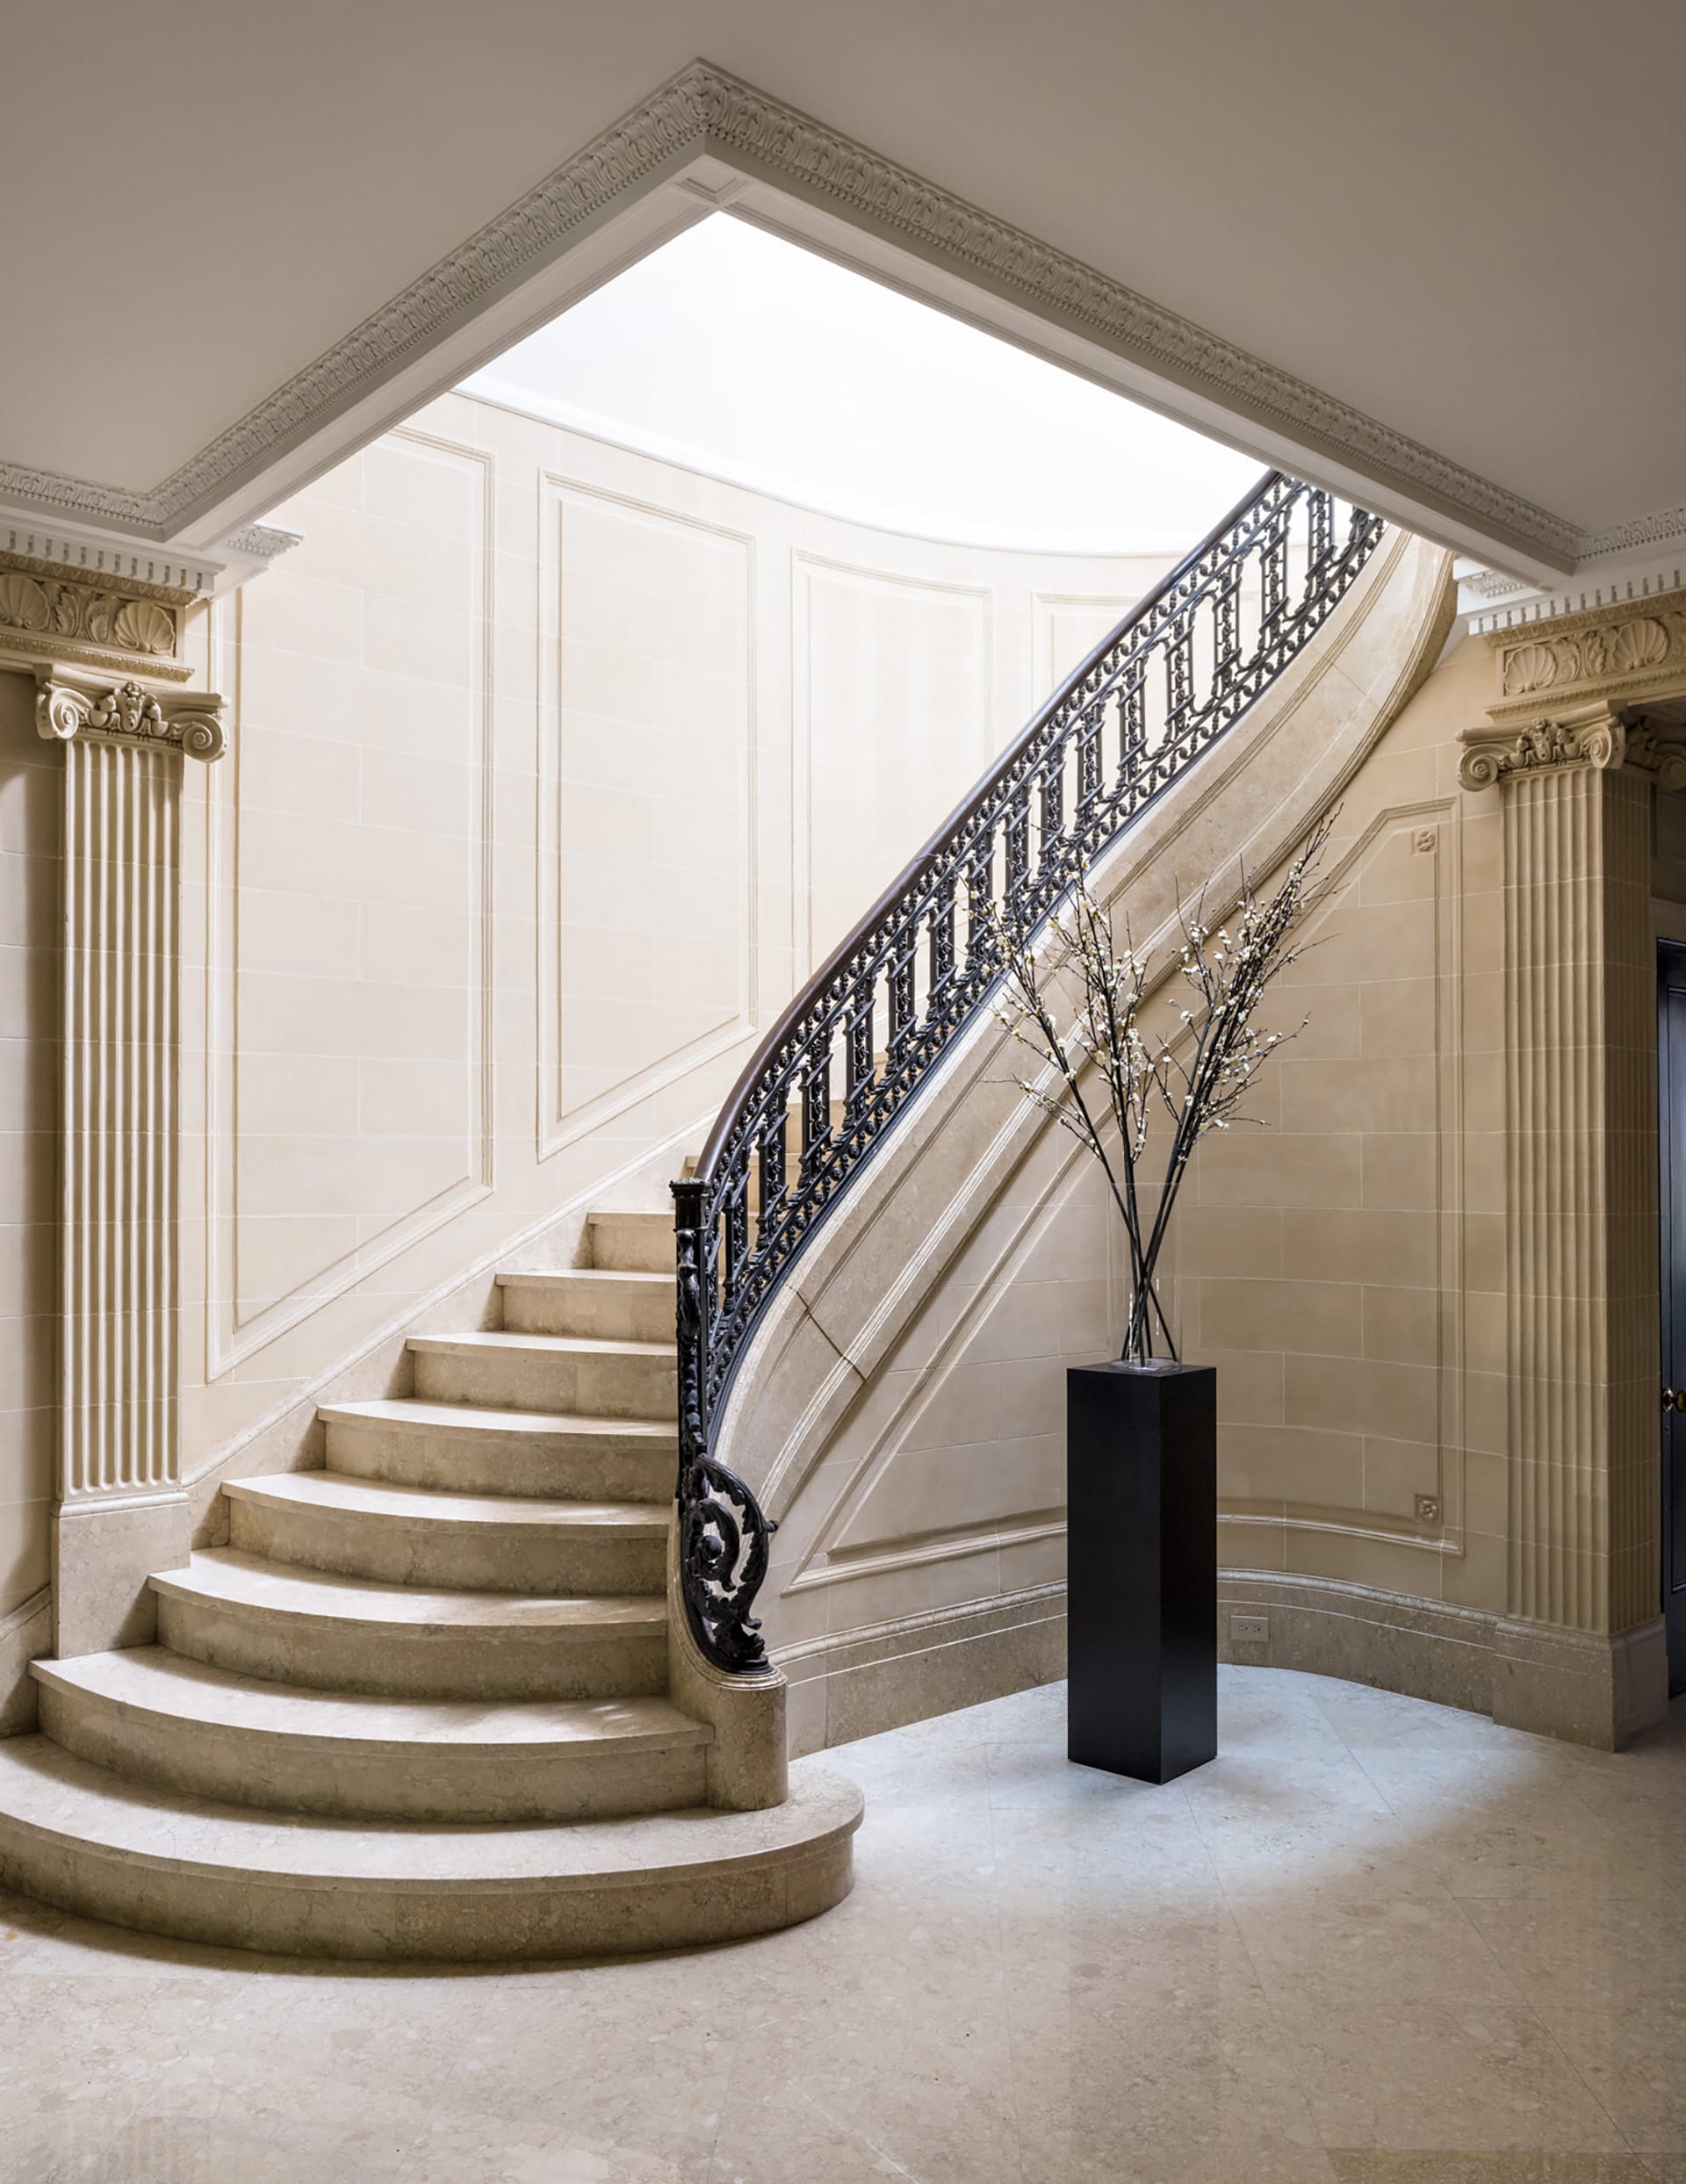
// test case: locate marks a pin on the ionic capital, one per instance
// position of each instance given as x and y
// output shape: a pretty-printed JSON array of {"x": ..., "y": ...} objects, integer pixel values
[
  {"x": 69, "y": 705},
  {"x": 1597, "y": 738}
]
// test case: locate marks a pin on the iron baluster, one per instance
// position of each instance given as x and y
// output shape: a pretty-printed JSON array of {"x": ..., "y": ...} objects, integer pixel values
[
  {"x": 942, "y": 940},
  {"x": 771, "y": 1153},
  {"x": 1018, "y": 838},
  {"x": 901, "y": 988},
  {"x": 816, "y": 1112},
  {"x": 1274, "y": 571},
  {"x": 1179, "y": 676},
  {"x": 1089, "y": 758},
  {"x": 1323, "y": 524}
]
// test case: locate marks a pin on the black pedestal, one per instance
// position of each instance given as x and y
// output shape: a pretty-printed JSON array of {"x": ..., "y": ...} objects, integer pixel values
[{"x": 1141, "y": 1459}]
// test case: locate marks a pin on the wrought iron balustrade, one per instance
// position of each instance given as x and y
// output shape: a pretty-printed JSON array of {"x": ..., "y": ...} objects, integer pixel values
[{"x": 826, "y": 1087}]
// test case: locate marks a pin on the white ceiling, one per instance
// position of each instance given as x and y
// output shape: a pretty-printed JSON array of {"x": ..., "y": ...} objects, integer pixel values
[{"x": 1458, "y": 216}]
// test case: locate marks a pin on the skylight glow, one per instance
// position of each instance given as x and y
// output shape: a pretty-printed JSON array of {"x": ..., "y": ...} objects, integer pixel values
[{"x": 733, "y": 352}]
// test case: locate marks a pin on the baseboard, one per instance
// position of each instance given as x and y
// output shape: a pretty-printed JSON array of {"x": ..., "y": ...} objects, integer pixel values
[
  {"x": 859, "y": 1682},
  {"x": 1573, "y": 1684},
  {"x": 1577, "y": 1685},
  {"x": 26, "y": 1633}
]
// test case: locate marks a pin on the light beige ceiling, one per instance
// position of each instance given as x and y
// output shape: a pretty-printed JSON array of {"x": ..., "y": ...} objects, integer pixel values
[{"x": 1458, "y": 216}]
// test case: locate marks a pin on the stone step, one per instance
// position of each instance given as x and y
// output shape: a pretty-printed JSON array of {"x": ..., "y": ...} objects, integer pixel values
[
  {"x": 96, "y": 1843},
  {"x": 608, "y": 1302},
  {"x": 471, "y": 1451},
  {"x": 640, "y": 1244},
  {"x": 254, "y": 1617},
  {"x": 186, "y": 1727},
  {"x": 469, "y": 1542},
  {"x": 576, "y": 1374}
]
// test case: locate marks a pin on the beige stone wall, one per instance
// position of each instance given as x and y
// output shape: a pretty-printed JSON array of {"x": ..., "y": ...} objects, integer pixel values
[
  {"x": 1342, "y": 1261},
  {"x": 553, "y": 768}
]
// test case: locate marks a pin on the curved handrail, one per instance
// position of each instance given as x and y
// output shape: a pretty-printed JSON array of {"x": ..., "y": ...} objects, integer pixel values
[{"x": 891, "y": 997}]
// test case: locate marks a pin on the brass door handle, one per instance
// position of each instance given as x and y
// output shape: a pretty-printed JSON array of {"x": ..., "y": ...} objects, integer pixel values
[{"x": 1674, "y": 1398}]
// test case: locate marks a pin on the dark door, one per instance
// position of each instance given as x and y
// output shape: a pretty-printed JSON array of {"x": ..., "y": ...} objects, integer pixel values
[{"x": 1671, "y": 1077}]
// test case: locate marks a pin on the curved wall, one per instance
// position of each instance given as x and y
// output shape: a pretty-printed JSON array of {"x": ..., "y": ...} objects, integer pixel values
[
  {"x": 902, "y": 1411},
  {"x": 554, "y": 768}
]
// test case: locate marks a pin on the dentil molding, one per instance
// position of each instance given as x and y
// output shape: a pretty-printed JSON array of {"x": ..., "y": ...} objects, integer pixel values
[
  {"x": 704, "y": 111},
  {"x": 84, "y": 708}
]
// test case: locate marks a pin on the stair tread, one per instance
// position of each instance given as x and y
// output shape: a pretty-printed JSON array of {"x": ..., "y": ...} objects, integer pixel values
[
  {"x": 410, "y": 1410},
  {"x": 349, "y": 1494},
  {"x": 169, "y": 1685},
  {"x": 47, "y": 1790},
  {"x": 547, "y": 1345},
  {"x": 560, "y": 1277},
  {"x": 231, "y": 1577}
]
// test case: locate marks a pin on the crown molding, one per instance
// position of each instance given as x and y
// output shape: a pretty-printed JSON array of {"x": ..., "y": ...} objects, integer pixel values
[
  {"x": 1666, "y": 528},
  {"x": 263, "y": 542},
  {"x": 703, "y": 111}
]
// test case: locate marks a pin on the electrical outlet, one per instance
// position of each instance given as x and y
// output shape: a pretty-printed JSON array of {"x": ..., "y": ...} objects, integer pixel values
[
  {"x": 1428, "y": 1508},
  {"x": 1250, "y": 1630}
]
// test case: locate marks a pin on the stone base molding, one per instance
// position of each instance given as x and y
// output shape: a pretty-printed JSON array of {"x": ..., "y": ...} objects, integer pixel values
[
  {"x": 1580, "y": 1686},
  {"x": 121, "y": 1510},
  {"x": 857, "y": 1683}
]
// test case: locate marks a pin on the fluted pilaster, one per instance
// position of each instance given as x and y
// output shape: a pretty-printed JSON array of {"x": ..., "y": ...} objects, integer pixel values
[
  {"x": 118, "y": 1178},
  {"x": 121, "y": 1510},
  {"x": 1582, "y": 1271}
]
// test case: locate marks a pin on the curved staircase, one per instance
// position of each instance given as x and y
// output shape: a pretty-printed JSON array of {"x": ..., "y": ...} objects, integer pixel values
[{"x": 420, "y": 1706}]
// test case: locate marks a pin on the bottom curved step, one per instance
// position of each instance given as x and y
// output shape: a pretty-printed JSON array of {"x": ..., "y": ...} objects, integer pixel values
[{"x": 95, "y": 1842}]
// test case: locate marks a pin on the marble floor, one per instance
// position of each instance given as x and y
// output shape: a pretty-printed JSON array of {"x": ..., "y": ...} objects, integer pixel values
[{"x": 1376, "y": 1940}]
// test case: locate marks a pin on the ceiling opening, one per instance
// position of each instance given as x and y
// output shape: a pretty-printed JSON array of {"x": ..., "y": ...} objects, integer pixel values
[{"x": 732, "y": 351}]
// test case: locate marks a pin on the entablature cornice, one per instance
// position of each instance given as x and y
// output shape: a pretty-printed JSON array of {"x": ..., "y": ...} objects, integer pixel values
[
  {"x": 123, "y": 623},
  {"x": 1624, "y": 653}
]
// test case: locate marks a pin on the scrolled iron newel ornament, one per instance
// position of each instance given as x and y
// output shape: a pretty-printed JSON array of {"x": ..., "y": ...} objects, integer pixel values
[
  {"x": 723, "y": 1533},
  {"x": 891, "y": 999}
]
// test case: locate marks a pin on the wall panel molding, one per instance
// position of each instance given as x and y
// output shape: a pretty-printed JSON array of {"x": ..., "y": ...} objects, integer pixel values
[
  {"x": 810, "y": 573},
  {"x": 558, "y": 1124},
  {"x": 230, "y": 1337}
]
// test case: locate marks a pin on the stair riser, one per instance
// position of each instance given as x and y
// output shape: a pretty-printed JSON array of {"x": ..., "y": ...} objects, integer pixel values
[
  {"x": 370, "y": 1920},
  {"x": 583, "y": 1467},
  {"x": 612, "y": 1311},
  {"x": 463, "y": 1557},
  {"x": 411, "y": 1782},
  {"x": 389, "y": 1660},
  {"x": 631, "y": 1244},
  {"x": 586, "y": 1386}
]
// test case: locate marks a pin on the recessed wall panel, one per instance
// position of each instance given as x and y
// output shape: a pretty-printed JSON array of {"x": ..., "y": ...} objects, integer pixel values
[
  {"x": 349, "y": 919},
  {"x": 893, "y": 677},
  {"x": 646, "y": 861}
]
